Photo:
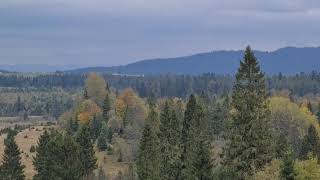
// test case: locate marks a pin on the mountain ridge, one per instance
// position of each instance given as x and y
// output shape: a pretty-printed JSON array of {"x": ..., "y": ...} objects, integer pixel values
[{"x": 287, "y": 60}]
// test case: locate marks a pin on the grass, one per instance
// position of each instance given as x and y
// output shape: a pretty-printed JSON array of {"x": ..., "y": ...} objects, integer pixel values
[{"x": 28, "y": 137}]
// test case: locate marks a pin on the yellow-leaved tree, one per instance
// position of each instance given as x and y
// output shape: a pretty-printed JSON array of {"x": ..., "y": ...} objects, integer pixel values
[{"x": 96, "y": 88}]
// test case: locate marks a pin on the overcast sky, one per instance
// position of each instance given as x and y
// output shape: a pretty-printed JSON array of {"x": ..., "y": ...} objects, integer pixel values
[{"x": 113, "y": 32}]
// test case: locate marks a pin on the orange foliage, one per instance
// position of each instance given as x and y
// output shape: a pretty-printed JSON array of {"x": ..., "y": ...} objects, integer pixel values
[{"x": 87, "y": 110}]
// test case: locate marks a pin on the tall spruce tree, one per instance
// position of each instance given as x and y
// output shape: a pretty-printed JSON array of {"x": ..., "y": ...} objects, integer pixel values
[
  {"x": 106, "y": 108},
  {"x": 87, "y": 153},
  {"x": 196, "y": 156},
  {"x": 148, "y": 164},
  {"x": 170, "y": 132},
  {"x": 102, "y": 141},
  {"x": 287, "y": 167},
  {"x": 310, "y": 143},
  {"x": 12, "y": 168},
  {"x": 249, "y": 140},
  {"x": 40, "y": 161},
  {"x": 64, "y": 158}
]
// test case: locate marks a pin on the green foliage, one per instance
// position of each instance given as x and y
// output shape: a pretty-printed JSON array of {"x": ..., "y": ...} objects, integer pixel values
[
  {"x": 12, "y": 167},
  {"x": 249, "y": 140},
  {"x": 95, "y": 127},
  {"x": 148, "y": 164},
  {"x": 102, "y": 141},
  {"x": 170, "y": 132},
  {"x": 308, "y": 169},
  {"x": 196, "y": 156},
  {"x": 310, "y": 144},
  {"x": 106, "y": 108},
  {"x": 271, "y": 171},
  {"x": 287, "y": 167},
  {"x": 40, "y": 161},
  {"x": 87, "y": 153},
  {"x": 58, "y": 157}
]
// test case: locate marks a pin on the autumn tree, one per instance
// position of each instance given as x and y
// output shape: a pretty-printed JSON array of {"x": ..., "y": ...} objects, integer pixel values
[
  {"x": 249, "y": 140},
  {"x": 95, "y": 86}
]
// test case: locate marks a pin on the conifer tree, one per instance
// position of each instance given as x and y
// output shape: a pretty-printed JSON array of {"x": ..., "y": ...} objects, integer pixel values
[
  {"x": 170, "y": 132},
  {"x": 196, "y": 156},
  {"x": 310, "y": 143},
  {"x": 85, "y": 94},
  {"x": 318, "y": 113},
  {"x": 148, "y": 164},
  {"x": 287, "y": 167},
  {"x": 249, "y": 140},
  {"x": 12, "y": 167},
  {"x": 106, "y": 108},
  {"x": 95, "y": 127},
  {"x": 40, "y": 161},
  {"x": 87, "y": 153},
  {"x": 64, "y": 158},
  {"x": 102, "y": 141}
]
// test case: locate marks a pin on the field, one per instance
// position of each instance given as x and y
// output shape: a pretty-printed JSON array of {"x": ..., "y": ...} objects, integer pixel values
[{"x": 28, "y": 137}]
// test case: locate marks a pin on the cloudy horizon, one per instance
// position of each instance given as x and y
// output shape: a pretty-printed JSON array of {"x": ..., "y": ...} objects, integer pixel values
[{"x": 115, "y": 32}]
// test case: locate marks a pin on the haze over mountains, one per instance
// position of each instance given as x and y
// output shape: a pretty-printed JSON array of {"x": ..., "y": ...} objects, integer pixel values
[{"x": 289, "y": 60}]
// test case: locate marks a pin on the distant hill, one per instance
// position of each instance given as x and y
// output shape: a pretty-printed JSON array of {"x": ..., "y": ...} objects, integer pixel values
[
  {"x": 287, "y": 60},
  {"x": 43, "y": 68}
]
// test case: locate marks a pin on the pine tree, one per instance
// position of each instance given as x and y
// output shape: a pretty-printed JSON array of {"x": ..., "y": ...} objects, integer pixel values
[
  {"x": 85, "y": 94},
  {"x": 196, "y": 156},
  {"x": 87, "y": 153},
  {"x": 95, "y": 127},
  {"x": 249, "y": 140},
  {"x": 40, "y": 161},
  {"x": 310, "y": 143},
  {"x": 287, "y": 167},
  {"x": 148, "y": 164},
  {"x": 64, "y": 158},
  {"x": 12, "y": 167},
  {"x": 106, "y": 108},
  {"x": 318, "y": 113},
  {"x": 170, "y": 132},
  {"x": 102, "y": 141}
]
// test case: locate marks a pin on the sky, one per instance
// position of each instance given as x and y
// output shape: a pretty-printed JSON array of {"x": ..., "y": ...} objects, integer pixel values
[{"x": 116, "y": 32}]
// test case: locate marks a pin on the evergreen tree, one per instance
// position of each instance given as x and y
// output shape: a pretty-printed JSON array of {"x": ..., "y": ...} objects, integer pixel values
[
  {"x": 73, "y": 125},
  {"x": 102, "y": 141},
  {"x": 170, "y": 132},
  {"x": 87, "y": 153},
  {"x": 310, "y": 143},
  {"x": 249, "y": 140},
  {"x": 196, "y": 156},
  {"x": 85, "y": 94},
  {"x": 95, "y": 127},
  {"x": 106, "y": 108},
  {"x": 287, "y": 167},
  {"x": 148, "y": 164},
  {"x": 318, "y": 113},
  {"x": 12, "y": 168},
  {"x": 40, "y": 161},
  {"x": 63, "y": 157}
]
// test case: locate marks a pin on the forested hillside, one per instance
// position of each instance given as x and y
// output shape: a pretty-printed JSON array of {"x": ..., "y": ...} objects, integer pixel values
[{"x": 207, "y": 127}]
